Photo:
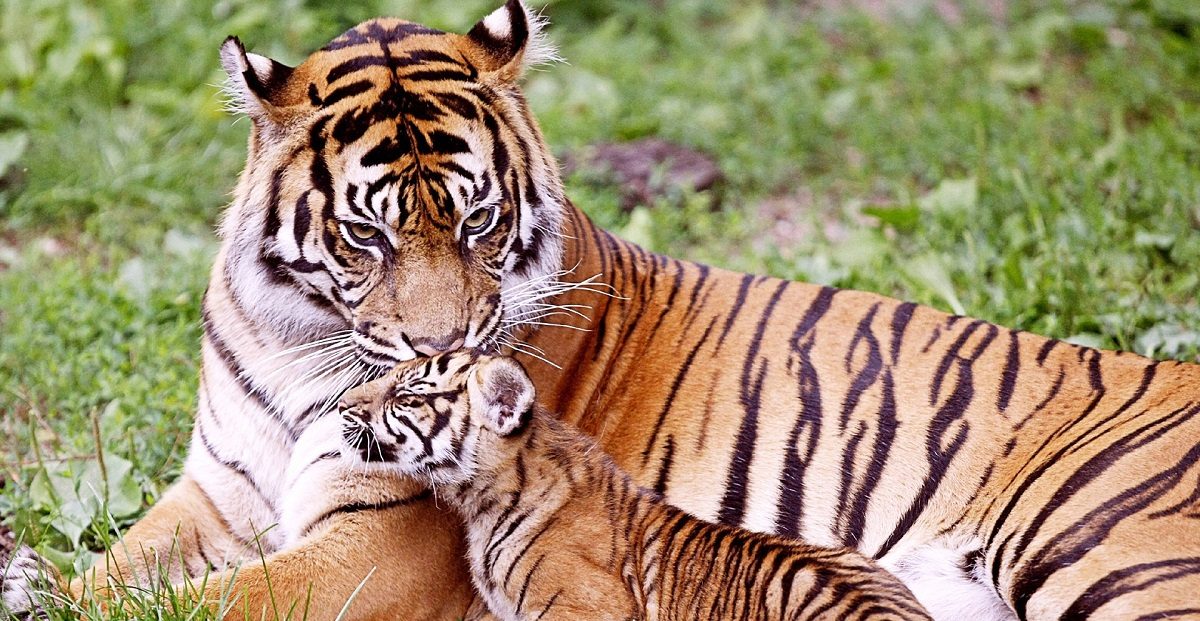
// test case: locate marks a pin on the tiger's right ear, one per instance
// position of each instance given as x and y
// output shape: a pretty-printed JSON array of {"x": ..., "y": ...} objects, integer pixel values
[
  {"x": 256, "y": 85},
  {"x": 509, "y": 40},
  {"x": 501, "y": 395}
]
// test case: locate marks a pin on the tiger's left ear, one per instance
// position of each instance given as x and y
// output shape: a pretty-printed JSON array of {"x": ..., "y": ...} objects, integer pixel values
[
  {"x": 501, "y": 395},
  {"x": 508, "y": 41}
]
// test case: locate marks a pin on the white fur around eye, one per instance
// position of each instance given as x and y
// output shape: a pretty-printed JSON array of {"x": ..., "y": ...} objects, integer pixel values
[
  {"x": 492, "y": 207},
  {"x": 370, "y": 245}
]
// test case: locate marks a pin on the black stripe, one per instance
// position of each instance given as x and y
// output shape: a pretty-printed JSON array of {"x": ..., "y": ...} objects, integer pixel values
[
  {"x": 234, "y": 369},
  {"x": 437, "y": 75},
  {"x": 220, "y": 516},
  {"x": 737, "y": 307},
  {"x": 525, "y": 584},
  {"x": 1008, "y": 376},
  {"x": 900, "y": 319},
  {"x": 352, "y": 65},
  {"x": 1130, "y": 579},
  {"x": 664, "y": 470},
  {"x": 361, "y": 507},
  {"x": 1046, "y": 349},
  {"x": 866, "y": 377},
  {"x": 885, "y": 434},
  {"x": 791, "y": 496},
  {"x": 350, "y": 90},
  {"x": 236, "y": 466},
  {"x": 733, "y": 505},
  {"x": 940, "y": 453},
  {"x": 374, "y": 32},
  {"x": 675, "y": 386},
  {"x": 1082, "y": 536}
]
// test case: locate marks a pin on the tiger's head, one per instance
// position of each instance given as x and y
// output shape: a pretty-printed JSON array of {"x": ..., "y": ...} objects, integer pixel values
[
  {"x": 442, "y": 418},
  {"x": 396, "y": 185}
]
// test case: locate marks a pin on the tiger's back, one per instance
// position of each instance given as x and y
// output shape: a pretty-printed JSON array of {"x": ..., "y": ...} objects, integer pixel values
[{"x": 693, "y": 569}]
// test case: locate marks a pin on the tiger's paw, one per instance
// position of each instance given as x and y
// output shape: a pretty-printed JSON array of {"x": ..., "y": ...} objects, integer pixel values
[{"x": 25, "y": 580}]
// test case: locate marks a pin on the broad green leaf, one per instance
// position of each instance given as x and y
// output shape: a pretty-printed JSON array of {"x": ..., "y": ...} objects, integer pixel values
[
  {"x": 929, "y": 271},
  {"x": 1168, "y": 339},
  {"x": 75, "y": 493},
  {"x": 1146, "y": 239},
  {"x": 903, "y": 218},
  {"x": 1087, "y": 339}
]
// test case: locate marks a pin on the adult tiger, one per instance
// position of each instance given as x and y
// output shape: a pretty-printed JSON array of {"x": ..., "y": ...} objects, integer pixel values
[{"x": 398, "y": 200}]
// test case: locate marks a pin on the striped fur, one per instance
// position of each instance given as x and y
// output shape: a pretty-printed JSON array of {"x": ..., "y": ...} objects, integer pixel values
[
  {"x": 998, "y": 473},
  {"x": 556, "y": 530}
]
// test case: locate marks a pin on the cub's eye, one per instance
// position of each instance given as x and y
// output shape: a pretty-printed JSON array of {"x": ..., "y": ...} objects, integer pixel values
[
  {"x": 477, "y": 221},
  {"x": 361, "y": 232}
]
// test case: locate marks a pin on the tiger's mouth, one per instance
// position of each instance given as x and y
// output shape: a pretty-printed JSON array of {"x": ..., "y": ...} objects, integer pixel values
[{"x": 380, "y": 352}]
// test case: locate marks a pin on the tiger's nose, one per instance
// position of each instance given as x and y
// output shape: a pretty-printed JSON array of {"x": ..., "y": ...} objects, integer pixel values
[{"x": 433, "y": 347}]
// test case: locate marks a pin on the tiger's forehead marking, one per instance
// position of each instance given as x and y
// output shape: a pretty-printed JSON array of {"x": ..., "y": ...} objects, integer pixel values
[{"x": 406, "y": 92}]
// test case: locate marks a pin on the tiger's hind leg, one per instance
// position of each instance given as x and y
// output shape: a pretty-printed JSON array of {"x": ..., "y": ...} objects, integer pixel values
[
  {"x": 1149, "y": 568},
  {"x": 1107, "y": 526}
]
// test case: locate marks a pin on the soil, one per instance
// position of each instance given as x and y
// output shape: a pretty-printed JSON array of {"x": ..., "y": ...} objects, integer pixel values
[
  {"x": 8, "y": 541},
  {"x": 648, "y": 169}
]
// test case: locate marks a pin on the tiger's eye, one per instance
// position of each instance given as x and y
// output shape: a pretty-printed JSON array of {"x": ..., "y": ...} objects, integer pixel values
[
  {"x": 362, "y": 232},
  {"x": 477, "y": 221}
]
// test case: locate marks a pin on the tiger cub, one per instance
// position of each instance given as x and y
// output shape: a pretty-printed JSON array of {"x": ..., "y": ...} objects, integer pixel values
[{"x": 557, "y": 531}]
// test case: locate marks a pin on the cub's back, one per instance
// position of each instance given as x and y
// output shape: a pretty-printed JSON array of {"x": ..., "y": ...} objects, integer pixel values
[{"x": 699, "y": 570}]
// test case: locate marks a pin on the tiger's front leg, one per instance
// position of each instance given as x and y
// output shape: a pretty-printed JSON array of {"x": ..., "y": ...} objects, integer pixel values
[
  {"x": 182, "y": 535},
  {"x": 407, "y": 557},
  {"x": 408, "y": 560}
]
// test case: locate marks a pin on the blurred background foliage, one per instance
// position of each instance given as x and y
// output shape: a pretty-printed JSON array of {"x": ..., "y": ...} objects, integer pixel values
[{"x": 1032, "y": 163}]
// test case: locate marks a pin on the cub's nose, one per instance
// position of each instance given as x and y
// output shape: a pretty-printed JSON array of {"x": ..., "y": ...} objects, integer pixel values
[{"x": 433, "y": 347}]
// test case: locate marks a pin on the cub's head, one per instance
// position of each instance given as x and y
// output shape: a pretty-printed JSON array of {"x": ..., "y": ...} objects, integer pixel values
[
  {"x": 396, "y": 184},
  {"x": 441, "y": 417}
]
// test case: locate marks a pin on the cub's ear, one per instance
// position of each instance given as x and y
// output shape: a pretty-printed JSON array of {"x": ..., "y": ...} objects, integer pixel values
[
  {"x": 509, "y": 40},
  {"x": 501, "y": 395},
  {"x": 257, "y": 86}
]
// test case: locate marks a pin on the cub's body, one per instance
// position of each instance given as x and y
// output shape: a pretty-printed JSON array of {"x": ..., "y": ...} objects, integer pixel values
[{"x": 556, "y": 530}]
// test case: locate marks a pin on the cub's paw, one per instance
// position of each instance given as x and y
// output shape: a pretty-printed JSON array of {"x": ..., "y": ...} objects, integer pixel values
[{"x": 24, "y": 583}]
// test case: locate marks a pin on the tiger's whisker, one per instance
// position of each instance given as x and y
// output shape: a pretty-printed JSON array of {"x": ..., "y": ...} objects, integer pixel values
[{"x": 553, "y": 324}]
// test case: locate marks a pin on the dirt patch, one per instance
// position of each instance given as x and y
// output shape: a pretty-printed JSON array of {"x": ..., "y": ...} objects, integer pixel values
[
  {"x": 646, "y": 170},
  {"x": 8, "y": 542}
]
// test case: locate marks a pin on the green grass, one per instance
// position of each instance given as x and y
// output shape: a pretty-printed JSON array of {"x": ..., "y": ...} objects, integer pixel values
[{"x": 1041, "y": 171}]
